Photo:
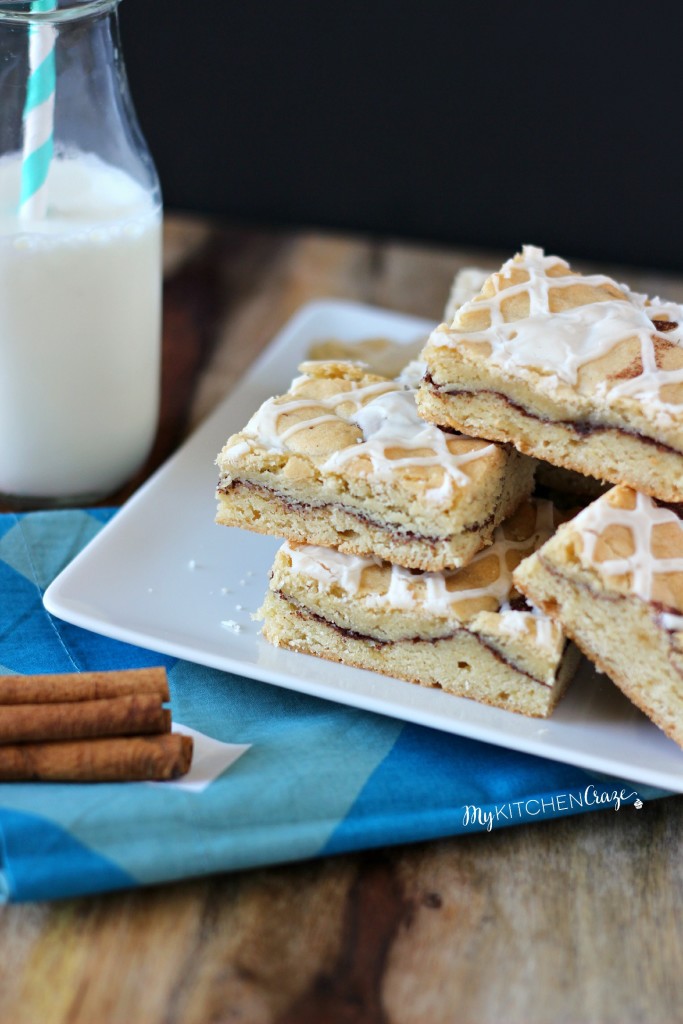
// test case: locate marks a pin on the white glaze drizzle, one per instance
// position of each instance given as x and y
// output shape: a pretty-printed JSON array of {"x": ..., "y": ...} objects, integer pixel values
[
  {"x": 263, "y": 425},
  {"x": 391, "y": 421},
  {"x": 409, "y": 590},
  {"x": 237, "y": 449},
  {"x": 537, "y": 287},
  {"x": 385, "y": 412},
  {"x": 559, "y": 344},
  {"x": 669, "y": 621},
  {"x": 516, "y": 624},
  {"x": 642, "y": 565}
]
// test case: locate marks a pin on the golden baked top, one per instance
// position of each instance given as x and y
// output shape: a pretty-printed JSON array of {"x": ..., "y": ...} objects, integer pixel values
[
  {"x": 636, "y": 547},
  {"x": 338, "y": 419},
  {"x": 570, "y": 333}
]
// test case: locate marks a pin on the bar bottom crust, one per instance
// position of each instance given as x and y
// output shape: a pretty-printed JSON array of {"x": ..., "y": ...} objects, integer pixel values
[
  {"x": 460, "y": 664},
  {"x": 618, "y": 633},
  {"x": 606, "y": 453}
]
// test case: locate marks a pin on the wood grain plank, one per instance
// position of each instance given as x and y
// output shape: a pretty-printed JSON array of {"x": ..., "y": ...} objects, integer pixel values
[
  {"x": 569, "y": 920},
  {"x": 575, "y": 919}
]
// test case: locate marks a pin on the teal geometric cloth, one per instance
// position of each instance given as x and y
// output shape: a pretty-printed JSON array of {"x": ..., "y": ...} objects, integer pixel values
[{"x": 284, "y": 776}]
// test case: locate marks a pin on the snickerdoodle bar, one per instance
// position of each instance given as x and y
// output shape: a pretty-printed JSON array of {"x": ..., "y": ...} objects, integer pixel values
[
  {"x": 466, "y": 631},
  {"x": 343, "y": 460},
  {"x": 576, "y": 370}
]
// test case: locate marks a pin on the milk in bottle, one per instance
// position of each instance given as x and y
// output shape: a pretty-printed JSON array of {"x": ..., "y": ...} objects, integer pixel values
[
  {"x": 79, "y": 331},
  {"x": 80, "y": 259}
]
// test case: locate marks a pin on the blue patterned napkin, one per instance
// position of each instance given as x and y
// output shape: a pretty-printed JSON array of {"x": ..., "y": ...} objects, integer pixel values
[{"x": 278, "y": 776}]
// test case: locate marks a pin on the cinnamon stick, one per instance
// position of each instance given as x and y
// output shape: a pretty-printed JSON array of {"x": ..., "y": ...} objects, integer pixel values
[
  {"x": 130, "y": 759},
  {"x": 115, "y": 716},
  {"x": 77, "y": 686}
]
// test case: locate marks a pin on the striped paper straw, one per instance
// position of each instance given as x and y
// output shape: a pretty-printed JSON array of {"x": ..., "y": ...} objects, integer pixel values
[{"x": 38, "y": 116}]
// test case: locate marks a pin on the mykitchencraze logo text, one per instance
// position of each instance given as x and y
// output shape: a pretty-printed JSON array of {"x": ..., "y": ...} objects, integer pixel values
[{"x": 562, "y": 802}]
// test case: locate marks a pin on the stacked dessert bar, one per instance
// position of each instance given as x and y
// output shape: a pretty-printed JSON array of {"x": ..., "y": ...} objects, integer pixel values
[
  {"x": 401, "y": 539},
  {"x": 343, "y": 460},
  {"x": 414, "y": 546},
  {"x": 586, "y": 375}
]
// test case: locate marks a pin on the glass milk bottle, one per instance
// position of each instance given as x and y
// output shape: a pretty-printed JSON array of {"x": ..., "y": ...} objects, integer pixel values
[{"x": 80, "y": 258}]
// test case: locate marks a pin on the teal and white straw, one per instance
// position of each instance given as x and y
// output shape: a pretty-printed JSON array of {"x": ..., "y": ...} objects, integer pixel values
[{"x": 38, "y": 116}]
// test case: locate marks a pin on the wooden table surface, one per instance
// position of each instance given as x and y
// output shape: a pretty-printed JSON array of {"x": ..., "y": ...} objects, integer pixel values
[{"x": 577, "y": 919}]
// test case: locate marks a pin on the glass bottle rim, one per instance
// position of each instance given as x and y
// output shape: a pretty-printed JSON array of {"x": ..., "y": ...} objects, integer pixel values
[{"x": 20, "y": 11}]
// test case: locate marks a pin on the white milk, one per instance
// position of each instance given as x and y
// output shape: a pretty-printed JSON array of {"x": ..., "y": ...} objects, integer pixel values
[{"x": 80, "y": 301}]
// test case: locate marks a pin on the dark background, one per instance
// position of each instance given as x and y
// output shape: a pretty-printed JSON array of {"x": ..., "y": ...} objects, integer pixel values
[{"x": 486, "y": 124}]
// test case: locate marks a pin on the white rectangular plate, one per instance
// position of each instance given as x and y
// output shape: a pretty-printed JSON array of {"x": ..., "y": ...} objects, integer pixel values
[{"x": 162, "y": 575}]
